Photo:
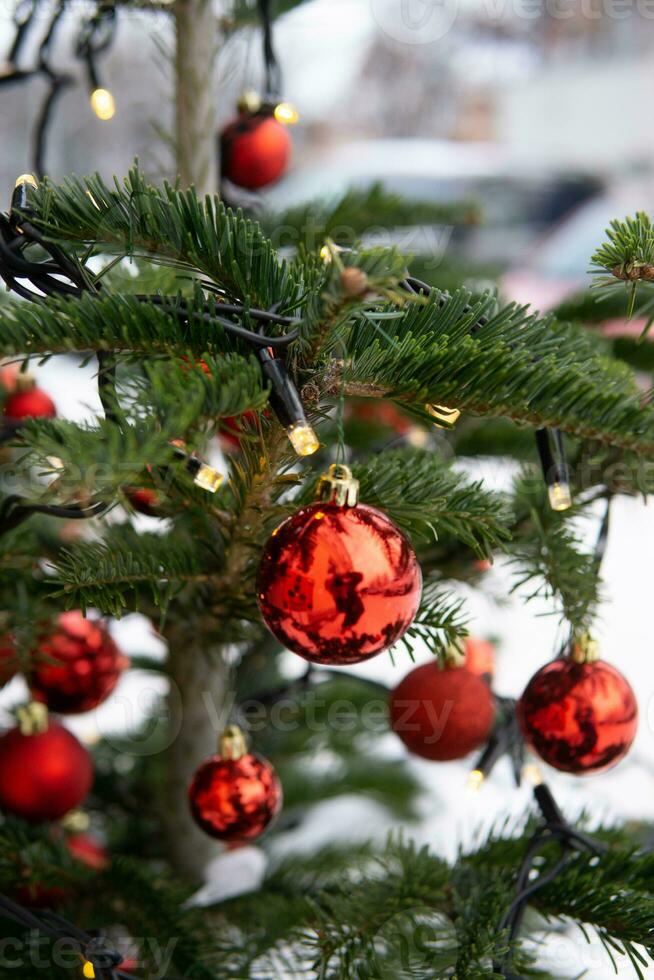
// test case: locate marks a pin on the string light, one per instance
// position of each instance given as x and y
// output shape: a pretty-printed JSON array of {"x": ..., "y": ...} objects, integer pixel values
[
  {"x": 286, "y": 113},
  {"x": 103, "y": 103},
  {"x": 287, "y": 405},
  {"x": 555, "y": 468},
  {"x": 88, "y": 970},
  {"x": 475, "y": 781}
]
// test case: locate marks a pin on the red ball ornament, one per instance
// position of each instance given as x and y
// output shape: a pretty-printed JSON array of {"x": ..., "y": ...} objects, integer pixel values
[
  {"x": 578, "y": 717},
  {"x": 442, "y": 713},
  {"x": 88, "y": 850},
  {"x": 338, "y": 582},
  {"x": 144, "y": 500},
  {"x": 255, "y": 150},
  {"x": 77, "y": 665},
  {"x": 44, "y": 770},
  {"x": 29, "y": 402},
  {"x": 479, "y": 657},
  {"x": 235, "y": 795}
]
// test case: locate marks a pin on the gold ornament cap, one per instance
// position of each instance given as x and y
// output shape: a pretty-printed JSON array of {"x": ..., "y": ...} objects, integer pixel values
[
  {"x": 454, "y": 656},
  {"x": 584, "y": 649},
  {"x": 249, "y": 101},
  {"x": 33, "y": 718},
  {"x": 338, "y": 486},
  {"x": 75, "y": 822},
  {"x": 444, "y": 417},
  {"x": 232, "y": 743}
]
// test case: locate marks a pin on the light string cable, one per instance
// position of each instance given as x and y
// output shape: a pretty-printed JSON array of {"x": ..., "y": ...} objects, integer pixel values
[
  {"x": 10, "y": 71},
  {"x": 553, "y": 830},
  {"x": 273, "y": 75},
  {"x": 99, "y": 959},
  {"x": 58, "y": 82},
  {"x": 64, "y": 275}
]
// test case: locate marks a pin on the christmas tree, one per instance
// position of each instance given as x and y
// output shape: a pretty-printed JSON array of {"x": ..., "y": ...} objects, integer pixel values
[{"x": 291, "y": 424}]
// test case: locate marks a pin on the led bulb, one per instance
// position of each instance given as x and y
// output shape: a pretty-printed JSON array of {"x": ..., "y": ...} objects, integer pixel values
[
  {"x": 532, "y": 774},
  {"x": 286, "y": 113},
  {"x": 560, "y": 496},
  {"x": 303, "y": 439},
  {"x": 28, "y": 179},
  {"x": 207, "y": 478},
  {"x": 88, "y": 970},
  {"x": 475, "y": 780},
  {"x": 103, "y": 103}
]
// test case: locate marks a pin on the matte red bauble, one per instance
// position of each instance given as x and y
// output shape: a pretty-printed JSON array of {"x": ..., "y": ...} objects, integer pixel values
[
  {"x": 338, "y": 582},
  {"x": 76, "y": 666},
  {"x": 578, "y": 717},
  {"x": 255, "y": 150},
  {"x": 43, "y": 775},
  {"x": 235, "y": 795},
  {"x": 442, "y": 713},
  {"x": 30, "y": 404}
]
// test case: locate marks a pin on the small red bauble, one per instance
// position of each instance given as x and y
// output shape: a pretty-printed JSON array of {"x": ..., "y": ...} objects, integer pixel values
[
  {"x": 479, "y": 656},
  {"x": 77, "y": 665},
  {"x": 234, "y": 795},
  {"x": 144, "y": 500},
  {"x": 88, "y": 850},
  {"x": 43, "y": 775},
  {"x": 338, "y": 582},
  {"x": 442, "y": 713},
  {"x": 578, "y": 717},
  {"x": 30, "y": 404},
  {"x": 255, "y": 150}
]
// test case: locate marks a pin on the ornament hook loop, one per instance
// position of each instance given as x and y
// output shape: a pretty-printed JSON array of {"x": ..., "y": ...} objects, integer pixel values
[
  {"x": 338, "y": 486},
  {"x": 584, "y": 649},
  {"x": 32, "y": 718}
]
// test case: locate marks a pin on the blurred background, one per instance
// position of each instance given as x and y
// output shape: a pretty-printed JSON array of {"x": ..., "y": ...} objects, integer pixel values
[{"x": 532, "y": 116}]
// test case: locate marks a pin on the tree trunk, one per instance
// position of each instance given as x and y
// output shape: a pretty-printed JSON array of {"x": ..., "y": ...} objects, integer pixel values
[
  {"x": 195, "y": 116},
  {"x": 198, "y": 686},
  {"x": 198, "y": 704}
]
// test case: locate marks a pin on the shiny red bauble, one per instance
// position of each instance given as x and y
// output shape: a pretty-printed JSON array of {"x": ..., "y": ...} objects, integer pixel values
[
  {"x": 255, "y": 150},
  {"x": 235, "y": 799},
  {"x": 30, "y": 404},
  {"x": 338, "y": 584},
  {"x": 43, "y": 776},
  {"x": 579, "y": 717},
  {"x": 442, "y": 713},
  {"x": 76, "y": 666}
]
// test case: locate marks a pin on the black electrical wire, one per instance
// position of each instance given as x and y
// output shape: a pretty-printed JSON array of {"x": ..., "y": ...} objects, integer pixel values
[
  {"x": 554, "y": 829},
  {"x": 273, "y": 72},
  {"x": 58, "y": 82},
  {"x": 94, "y": 949}
]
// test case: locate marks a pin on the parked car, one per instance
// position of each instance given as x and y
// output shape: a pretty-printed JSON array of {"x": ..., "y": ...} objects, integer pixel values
[
  {"x": 516, "y": 205},
  {"x": 557, "y": 266}
]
